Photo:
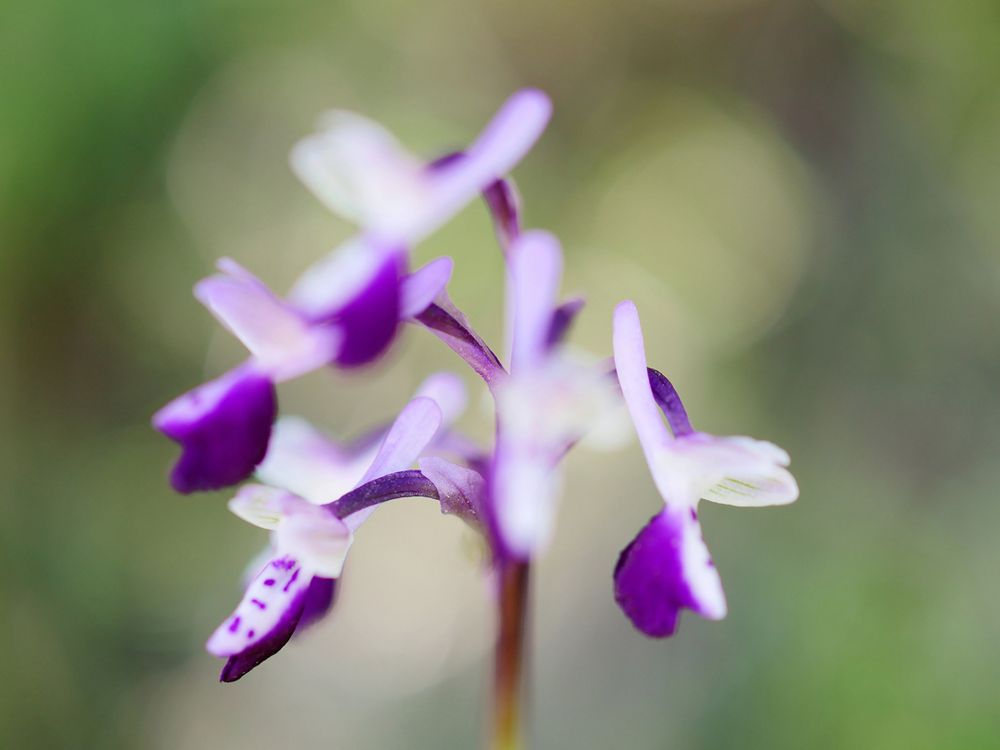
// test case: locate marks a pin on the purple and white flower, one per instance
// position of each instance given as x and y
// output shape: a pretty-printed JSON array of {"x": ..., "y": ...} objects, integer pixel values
[
  {"x": 548, "y": 402},
  {"x": 310, "y": 541},
  {"x": 361, "y": 172},
  {"x": 667, "y": 567},
  {"x": 343, "y": 314}
]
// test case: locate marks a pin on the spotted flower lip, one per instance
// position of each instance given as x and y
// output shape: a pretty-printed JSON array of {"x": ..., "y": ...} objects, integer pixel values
[
  {"x": 361, "y": 172},
  {"x": 667, "y": 567}
]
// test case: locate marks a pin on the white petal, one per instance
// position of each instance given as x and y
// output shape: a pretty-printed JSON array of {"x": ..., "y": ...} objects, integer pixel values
[
  {"x": 700, "y": 572},
  {"x": 730, "y": 470},
  {"x": 526, "y": 486},
  {"x": 559, "y": 402},
  {"x": 259, "y": 505},
  {"x": 448, "y": 391},
  {"x": 304, "y": 461},
  {"x": 361, "y": 172},
  {"x": 317, "y": 538}
]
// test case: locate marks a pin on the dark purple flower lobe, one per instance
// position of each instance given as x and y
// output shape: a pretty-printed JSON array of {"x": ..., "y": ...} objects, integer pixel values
[
  {"x": 223, "y": 428},
  {"x": 369, "y": 320},
  {"x": 664, "y": 569}
]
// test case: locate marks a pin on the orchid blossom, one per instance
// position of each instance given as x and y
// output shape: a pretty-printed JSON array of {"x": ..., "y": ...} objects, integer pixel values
[{"x": 667, "y": 567}]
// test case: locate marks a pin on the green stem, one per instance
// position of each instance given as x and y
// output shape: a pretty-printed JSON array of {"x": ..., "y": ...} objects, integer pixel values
[{"x": 511, "y": 653}]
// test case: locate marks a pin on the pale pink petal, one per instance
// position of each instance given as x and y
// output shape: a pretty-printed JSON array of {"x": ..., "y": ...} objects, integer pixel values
[
  {"x": 413, "y": 430},
  {"x": 421, "y": 287},
  {"x": 305, "y": 461},
  {"x": 448, "y": 391},
  {"x": 508, "y": 137},
  {"x": 630, "y": 362},
  {"x": 535, "y": 273},
  {"x": 280, "y": 339}
]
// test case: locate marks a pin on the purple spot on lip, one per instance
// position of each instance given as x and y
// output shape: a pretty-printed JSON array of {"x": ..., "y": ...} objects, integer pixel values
[
  {"x": 269, "y": 582},
  {"x": 291, "y": 580},
  {"x": 234, "y": 625},
  {"x": 249, "y": 634},
  {"x": 259, "y": 603}
]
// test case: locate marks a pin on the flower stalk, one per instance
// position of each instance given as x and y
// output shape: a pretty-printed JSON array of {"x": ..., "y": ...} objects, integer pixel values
[{"x": 510, "y": 676}]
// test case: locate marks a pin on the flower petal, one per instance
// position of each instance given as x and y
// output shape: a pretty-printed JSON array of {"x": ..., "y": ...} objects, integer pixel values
[
  {"x": 413, "y": 430},
  {"x": 303, "y": 460},
  {"x": 667, "y": 567},
  {"x": 525, "y": 486},
  {"x": 280, "y": 339},
  {"x": 259, "y": 505},
  {"x": 316, "y": 538},
  {"x": 410, "y": 434},
  {"x": 448, "y": 391},
  {"x": 535, "y": 273},
  {"x": 357, "y": 289},
  {"x": 421, "y": 287},
  {"x": 630, "y": 363},
  {"x": 508, "y": 137},
  {"x": 734, "y": 470},
  {"x": 265, "y": 618},
  {"x": 557, "y": 403},
  {"x": 361, "y": 172},
  {"x": 223, "y": 428}
]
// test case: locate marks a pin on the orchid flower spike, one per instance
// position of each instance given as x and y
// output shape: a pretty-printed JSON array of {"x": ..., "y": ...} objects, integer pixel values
[
  {"x": 310, "y": 542},
  {"x": 361, "y": 172},
  {"x": 667, "y": 567}
]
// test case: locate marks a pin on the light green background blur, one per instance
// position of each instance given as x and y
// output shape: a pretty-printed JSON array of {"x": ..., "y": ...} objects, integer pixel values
[{"x": 802, "y": 197}]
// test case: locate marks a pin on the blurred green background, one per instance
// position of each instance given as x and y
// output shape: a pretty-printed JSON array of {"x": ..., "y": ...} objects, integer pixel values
[{"x": 802, "y": 198}]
